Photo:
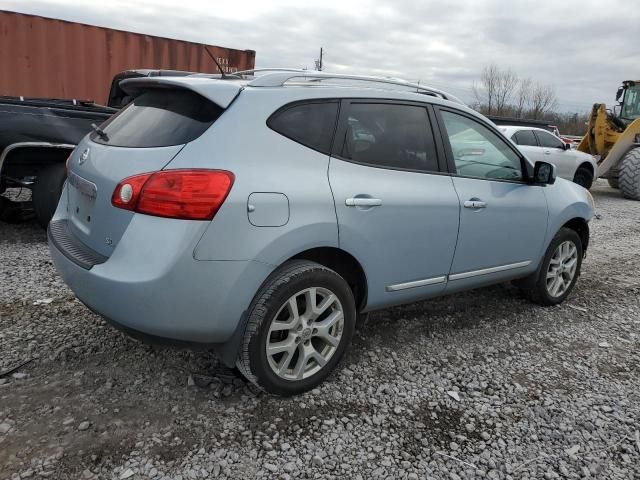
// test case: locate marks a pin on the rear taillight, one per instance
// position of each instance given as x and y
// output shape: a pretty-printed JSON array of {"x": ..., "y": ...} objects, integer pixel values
[{"x": 184, "y": 194}]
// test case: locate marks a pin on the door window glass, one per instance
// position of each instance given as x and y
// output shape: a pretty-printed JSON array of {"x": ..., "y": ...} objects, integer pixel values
[
  {"x": 311, "y": 124},
  {"x": 388, "y": 135},
  {"x": 478, "y": 152},
  {"x": 549, "y": 141},
  {"x": 525, "y": 137}
]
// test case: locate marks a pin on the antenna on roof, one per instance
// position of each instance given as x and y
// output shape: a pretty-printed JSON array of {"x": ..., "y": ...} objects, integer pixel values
[{"x": 223, "y": 75}]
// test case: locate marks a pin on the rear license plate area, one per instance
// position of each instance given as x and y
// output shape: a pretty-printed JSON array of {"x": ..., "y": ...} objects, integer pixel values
[{"x": 82, "y": 198}]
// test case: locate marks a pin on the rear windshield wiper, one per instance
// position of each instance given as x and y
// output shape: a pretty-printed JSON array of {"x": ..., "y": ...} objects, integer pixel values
[{"x": 101, "y": 133}]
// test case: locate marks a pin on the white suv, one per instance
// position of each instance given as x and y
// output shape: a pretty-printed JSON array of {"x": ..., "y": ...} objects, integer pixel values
[{"x": 540, "y": 145}]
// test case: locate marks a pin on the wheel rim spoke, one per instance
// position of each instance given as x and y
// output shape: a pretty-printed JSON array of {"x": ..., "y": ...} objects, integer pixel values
[
  {"x": 280, "y": 347},
  {"x": 283, "y": 366},
  {"x": 326, "y": 303}
]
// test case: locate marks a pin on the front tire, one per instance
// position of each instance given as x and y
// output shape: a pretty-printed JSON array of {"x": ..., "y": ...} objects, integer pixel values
[
  {"x": 300, "y": 323},
  {"x": 552, "y": 283},
  {"x": 46, "y": 192},
  {"x": 583, "y": 177},
  {"x": 629, "y": 178},
  {"x": 613, "y": 182}
]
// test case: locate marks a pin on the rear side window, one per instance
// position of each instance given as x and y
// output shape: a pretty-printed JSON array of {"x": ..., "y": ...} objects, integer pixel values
[
  {"x": 391, "y": 136},
  {"x": 159, "y": 118},
  {"x": 311, "y": 124},
  {"x": 525, "y": 137},
  {"x": 548, "y": 140}
]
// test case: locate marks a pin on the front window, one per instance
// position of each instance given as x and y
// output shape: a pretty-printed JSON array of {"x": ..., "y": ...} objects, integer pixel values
[
  {"x": 631, "y": 104},
  {"x": 478, "y": 152},
  {"x": 549, "y": 141}
]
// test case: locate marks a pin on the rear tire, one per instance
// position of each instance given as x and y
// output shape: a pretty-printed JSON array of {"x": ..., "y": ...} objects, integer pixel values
[
  {"x": 629, "y": 178},
  {"x": 46, "y": 192},
  {"x": 557, "y": 275},
  {"x": 583, "y": 177},
  {"x": 308, "y": 342}
]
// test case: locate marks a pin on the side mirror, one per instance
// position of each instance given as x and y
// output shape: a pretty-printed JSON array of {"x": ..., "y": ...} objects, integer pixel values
[
  {"x": 567, "y": 146},
  {"x": 619, "y": 93},
  {"x": 544, "y": 173}
]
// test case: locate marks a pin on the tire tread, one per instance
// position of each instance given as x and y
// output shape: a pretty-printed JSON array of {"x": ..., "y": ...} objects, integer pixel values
[{"x": 629, "y": 178}]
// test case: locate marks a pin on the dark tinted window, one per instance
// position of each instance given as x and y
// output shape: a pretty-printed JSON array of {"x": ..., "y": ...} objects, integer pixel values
[
  {"x": 548, "y": 140},
  {"x": 159, "y": 118},
  {"x": 387, "y": 135},
  {"x": 479, "y": 152},
  {"x": 311, "y": 124},
  {"x": 525, "y": 137}
]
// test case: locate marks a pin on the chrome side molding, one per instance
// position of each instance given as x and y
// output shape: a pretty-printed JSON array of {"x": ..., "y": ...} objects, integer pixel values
[
  {"x": 486, "y": 271},
  {"x": 416, "y": 283},
  {"x": 456, "y": 276}
]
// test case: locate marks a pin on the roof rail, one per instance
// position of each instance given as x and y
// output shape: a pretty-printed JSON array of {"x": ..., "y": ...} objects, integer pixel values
[{"x": 277, "y": 77}]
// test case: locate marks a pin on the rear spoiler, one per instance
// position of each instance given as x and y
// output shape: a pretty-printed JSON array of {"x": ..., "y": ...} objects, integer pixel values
[{"x": 220, "y": 92}]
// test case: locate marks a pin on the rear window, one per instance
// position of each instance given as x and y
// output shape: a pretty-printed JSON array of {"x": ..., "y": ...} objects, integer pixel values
[
  {"x": 311, "y": 124},
  {"x": 160, "y": 118}
]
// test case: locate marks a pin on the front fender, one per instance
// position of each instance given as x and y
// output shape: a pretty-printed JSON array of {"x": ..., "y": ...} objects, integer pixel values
[{"x": 566, "y": 201}]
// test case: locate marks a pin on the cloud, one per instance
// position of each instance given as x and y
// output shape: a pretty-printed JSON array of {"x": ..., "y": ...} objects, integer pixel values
[{"x": 580, "y": 48}]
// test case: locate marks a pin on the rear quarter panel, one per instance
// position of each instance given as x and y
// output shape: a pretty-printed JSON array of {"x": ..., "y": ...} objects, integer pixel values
[{"x": 262, "y": 161}]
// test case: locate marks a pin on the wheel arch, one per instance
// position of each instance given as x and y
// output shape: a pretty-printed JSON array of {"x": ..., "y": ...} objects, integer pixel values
[
  {"x": 343, "y": 263},
  {"x": 581, "y": 227},
  {"x": 587, "y": 166},
  {"x": 27, "y": 157}
]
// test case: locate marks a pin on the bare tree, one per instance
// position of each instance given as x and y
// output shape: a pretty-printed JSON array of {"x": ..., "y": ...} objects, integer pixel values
[
  {"x": 486, "y": 91},
  {"x": 523, "y": 97},
  {"x": 506, "y": 84},
  {"x": 495, "y": 89},
  {"x": 543, "y": 99}
]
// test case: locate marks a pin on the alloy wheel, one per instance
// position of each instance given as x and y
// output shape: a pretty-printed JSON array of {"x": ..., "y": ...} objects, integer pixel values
[
  {"x": 305, "y": 333},
  {"x": 562, "y": 269}
]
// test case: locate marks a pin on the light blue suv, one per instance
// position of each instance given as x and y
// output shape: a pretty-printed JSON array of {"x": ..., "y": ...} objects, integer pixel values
[{"x": 261, "y": 216}]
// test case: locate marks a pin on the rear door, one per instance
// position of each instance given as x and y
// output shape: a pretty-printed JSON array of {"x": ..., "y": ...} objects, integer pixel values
[
  {"x": 143, "y": 137},
  {"x": 503, "y": 220},
  {"x": 397, "y": 213}
]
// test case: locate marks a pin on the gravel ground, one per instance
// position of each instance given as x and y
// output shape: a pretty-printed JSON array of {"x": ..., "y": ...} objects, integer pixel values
[{"x": 477, "y": 385}]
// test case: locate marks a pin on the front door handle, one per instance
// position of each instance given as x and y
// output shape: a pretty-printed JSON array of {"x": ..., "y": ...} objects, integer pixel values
[
  {"x": 363, "y": 202},
  {"x": 475, "y": 204}
]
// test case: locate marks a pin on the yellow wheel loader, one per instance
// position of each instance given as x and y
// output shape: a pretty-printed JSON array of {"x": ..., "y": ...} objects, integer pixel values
[{"x": 614, "y": 137}]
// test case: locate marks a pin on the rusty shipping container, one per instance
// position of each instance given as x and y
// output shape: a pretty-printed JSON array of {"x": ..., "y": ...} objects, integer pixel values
[{"x": 44, "y": 57}]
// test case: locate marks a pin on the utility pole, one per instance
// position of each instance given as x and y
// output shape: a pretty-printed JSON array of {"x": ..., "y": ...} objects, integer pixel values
[{"x": 319, "y": 62}]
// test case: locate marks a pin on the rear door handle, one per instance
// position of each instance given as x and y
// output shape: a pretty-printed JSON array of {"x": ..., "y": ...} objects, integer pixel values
[
  {"x": 475, "y": 204},
  {"x": 363, "y": 202}
]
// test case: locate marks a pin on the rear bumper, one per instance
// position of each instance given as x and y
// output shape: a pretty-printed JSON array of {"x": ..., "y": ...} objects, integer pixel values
[{"x": 157, "y": 288}]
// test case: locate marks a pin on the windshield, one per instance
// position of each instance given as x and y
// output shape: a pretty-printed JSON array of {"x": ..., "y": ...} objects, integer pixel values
[{"x": 631, "y": 105}]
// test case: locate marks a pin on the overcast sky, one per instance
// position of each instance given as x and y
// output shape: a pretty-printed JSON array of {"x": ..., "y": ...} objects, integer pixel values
[{"x": 584, "y": 48}]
